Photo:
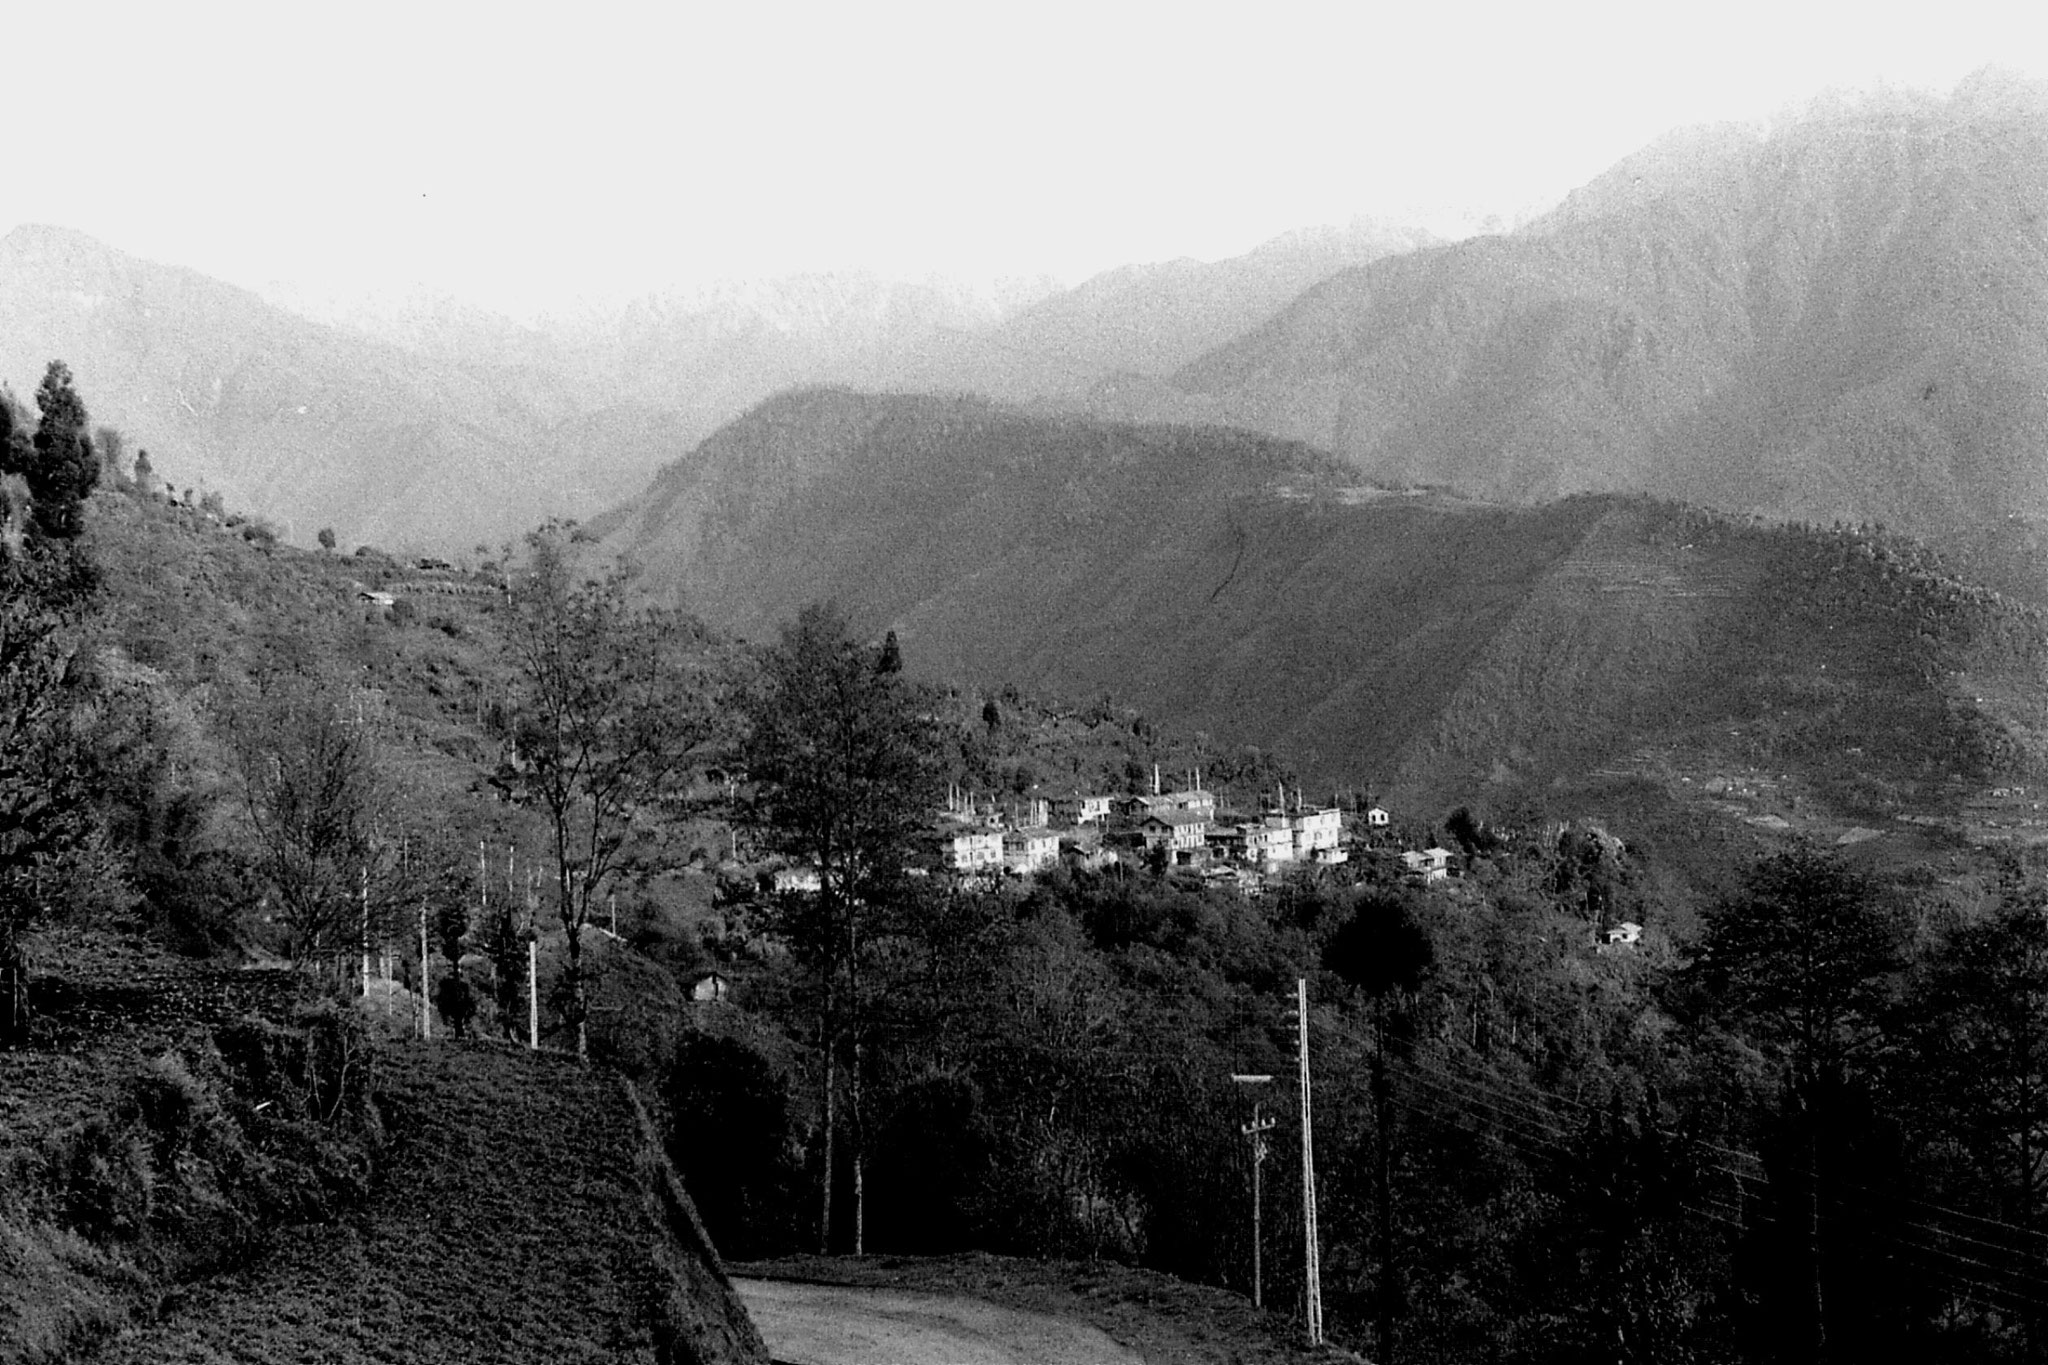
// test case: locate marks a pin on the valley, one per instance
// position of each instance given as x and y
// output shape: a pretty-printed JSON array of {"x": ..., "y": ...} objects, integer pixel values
[{"x": 898, "y": 783}]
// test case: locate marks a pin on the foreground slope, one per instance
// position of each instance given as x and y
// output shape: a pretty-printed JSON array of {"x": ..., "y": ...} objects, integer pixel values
[
  {"x": 526, "y": 1215},
  {"x": 1847, "y": 319},
  {"x": 1411, "y": 642}
]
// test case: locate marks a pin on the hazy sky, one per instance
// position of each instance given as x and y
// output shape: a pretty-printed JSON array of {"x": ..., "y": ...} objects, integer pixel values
[{"x": 526, "y": 157}]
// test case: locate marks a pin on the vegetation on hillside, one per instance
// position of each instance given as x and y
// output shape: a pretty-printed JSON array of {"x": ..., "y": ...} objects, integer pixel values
[{"x": 1569, "y": 1104}]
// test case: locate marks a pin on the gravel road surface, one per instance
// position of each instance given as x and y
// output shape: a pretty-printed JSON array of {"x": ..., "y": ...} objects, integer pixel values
[{"x": 814, "y": 1324}]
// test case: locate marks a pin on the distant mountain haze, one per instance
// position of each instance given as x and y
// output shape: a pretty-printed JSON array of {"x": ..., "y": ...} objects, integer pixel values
[
  {"x": 432, "y": 424},
  {"x": 306, "y": 424},
  {"x": 1142, "y": 319},
  {"x": 1845, "y": 318}
]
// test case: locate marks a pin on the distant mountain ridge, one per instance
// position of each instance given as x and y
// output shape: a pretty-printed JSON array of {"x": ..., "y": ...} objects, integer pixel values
[
  {"x": 1143, "y": 319},
  {"x": 437, "y": 425},
  {"x": 1845, "y": 319},
  {"x": 299, "y": 422}
]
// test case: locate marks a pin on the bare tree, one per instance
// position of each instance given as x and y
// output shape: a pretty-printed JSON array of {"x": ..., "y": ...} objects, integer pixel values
[
  {"x": 318, "y": 802},
  {"x": 610, "y": 712}
]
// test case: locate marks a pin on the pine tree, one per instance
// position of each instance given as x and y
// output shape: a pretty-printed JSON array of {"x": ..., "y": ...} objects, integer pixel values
[{"x": 64, "y": 467}]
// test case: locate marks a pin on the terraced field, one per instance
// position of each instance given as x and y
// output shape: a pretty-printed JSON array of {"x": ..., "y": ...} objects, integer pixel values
[{"x": 520, "y": 1219}]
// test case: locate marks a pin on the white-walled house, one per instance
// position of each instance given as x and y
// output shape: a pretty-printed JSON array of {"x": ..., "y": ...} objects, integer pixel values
[
  {"x": 974, "y": 850},
  {"x": 1026, "y": 851},
  {"x": 1431, "y": 865},
  {"x": 1268, "y": 842},
  {"x": 1179, "y": 832},
  {"x": 1318, "y": 835},
  {"x": 1077, "y": 809}
]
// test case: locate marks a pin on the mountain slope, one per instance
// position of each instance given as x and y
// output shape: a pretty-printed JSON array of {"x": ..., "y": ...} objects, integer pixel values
[
  {"x": 1847, "y": 319},
  {"x": 302, "y": 423},
  {"x": 1245, "y": 586},
  {"x": 1141, "y": 319}
]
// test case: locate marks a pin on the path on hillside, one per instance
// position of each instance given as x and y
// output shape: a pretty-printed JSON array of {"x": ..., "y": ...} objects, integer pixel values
[{"x": 817, "y": 1324}]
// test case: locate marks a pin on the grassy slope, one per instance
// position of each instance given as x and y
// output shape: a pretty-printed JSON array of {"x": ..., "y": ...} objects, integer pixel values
[
  {"x": 205, "y": 613},
  {"x": 519, "y": 1221}
]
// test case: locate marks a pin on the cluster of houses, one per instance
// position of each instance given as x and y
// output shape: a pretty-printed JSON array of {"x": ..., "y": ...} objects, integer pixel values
[
  {"x": 1180, "y": 828},
  {"x": 1183, "y": 828}
]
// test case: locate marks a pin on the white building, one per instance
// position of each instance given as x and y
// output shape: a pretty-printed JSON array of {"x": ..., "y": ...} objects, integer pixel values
[
  {"x": 974, "y": 850},
  {"x": 1080, "y": 810},
  {"x": 1318, "y": 834},
  {"x": 798, "y": 879},
  {"x": 1026, "y": 851}
]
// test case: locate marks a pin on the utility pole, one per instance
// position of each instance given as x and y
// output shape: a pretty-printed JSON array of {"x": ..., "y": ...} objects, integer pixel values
[
  {"x": 533, "y": 993},
  {"x": 366, "y": 929},
  {"x": 1312, "y": 1285},
  {"x": 1256, "y": 1130},
  {"x": 426, "y": 1009}
]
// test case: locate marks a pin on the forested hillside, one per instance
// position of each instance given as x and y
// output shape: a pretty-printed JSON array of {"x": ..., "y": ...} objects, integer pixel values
[{"x": 1410, "y": 643}]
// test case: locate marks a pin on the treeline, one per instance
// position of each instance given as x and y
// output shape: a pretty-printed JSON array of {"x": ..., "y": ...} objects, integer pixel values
[{"x": 1815, "y": 1134}]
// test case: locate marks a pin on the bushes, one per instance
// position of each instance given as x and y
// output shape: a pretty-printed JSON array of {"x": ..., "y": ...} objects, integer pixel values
[
  {"x": 207, "y": 1141},
  {"x": 733, "y": 1141}
]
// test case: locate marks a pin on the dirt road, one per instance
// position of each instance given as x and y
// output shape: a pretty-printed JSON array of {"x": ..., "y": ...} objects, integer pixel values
[{"x": 812, "y": 1324}]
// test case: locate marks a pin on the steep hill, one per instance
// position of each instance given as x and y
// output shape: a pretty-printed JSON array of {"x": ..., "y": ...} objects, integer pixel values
[
  {"x": 306, "y": 424},
  {"x": 1414, "y": 642},
  {"x": 527, "y": 1215},
  {"x": 1847, "y": 318}
]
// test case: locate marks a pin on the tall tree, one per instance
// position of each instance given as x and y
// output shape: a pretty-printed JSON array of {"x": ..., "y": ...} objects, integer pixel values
[
  {"x": 1978, "y": 1035},
  {"x": 64, "y": 467},
  {"x": 1802, "y": 958},
  {"x": 46, "y": 818},
  {"x": 611, "y": 711},
  {"x": 842, "y": 774},
  {"x": 1384, "y": 952}
]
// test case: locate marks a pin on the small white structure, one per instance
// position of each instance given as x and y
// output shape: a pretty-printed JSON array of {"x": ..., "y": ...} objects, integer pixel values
[
  {"x": 806, "y": 879},
  {"x": 1377, "y": 818},
  {"x": 1626, "y": 932},
  {"x": 712, "y": 988},
  {"x": 974, "y": 850},
  {"x": 1317, "y": 833},
  {"x": 1077, "y": 809},
  {"x": 1179, "y": 832},
  {"x": 1026, "y": 851},
  {"x": 1268, "y": 843},
  {"x": 1430, "y": 865}
]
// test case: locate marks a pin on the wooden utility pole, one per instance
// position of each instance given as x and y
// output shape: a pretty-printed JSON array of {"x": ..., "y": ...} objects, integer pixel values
[
  {"x": 1256, "y": 1130},
  {"x": 426, "y": 1009},
  {"x": 533, "y": 993},
  {"x": 1312, "y": 1284},
  {"x": 366, "y": 930}
]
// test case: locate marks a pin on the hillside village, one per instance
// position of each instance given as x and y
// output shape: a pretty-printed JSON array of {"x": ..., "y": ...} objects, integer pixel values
[{"x": 979, "y": 840}]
